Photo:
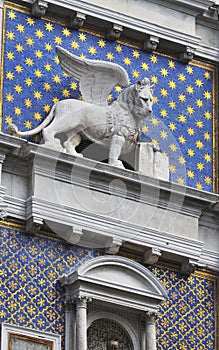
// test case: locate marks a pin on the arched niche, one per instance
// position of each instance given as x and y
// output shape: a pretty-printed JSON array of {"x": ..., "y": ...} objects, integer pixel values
[{"x": 112, "y": 287}]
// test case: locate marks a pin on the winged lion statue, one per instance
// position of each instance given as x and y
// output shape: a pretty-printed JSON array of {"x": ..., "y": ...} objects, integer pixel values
[{"x": 116, "y": 125}]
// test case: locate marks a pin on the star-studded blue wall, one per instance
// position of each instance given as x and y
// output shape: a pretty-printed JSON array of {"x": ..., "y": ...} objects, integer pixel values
[
  {"x": 31, "y": 296},
  {"x": 182, "y": 121}
]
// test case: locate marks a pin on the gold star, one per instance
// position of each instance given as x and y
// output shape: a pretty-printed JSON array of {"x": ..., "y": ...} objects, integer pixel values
[
  {"x": 58, "y": 40},
  {"x": 136, "y": 54},
  {"x": 171, "y": 64},
  {"x": 182, "y": 139},
  {"x": 28, "y": 82},
  {"x": 163, "y": 92},
  {"x": 39, "y": 34},
  {"x": 118, "y": 88},
  {"x": 207, "y": 157},
  {"x": 182, "y": 118},
  {"x": 30, "y": 21},
  {"x": 73, "y": 85},
  {"x": 48, "y": 47},
  {"x": 65, "y": 93},
  {"x": 29, "y": 62},
  {"x": 164, "y": 72},
  {"x": 199, "y": 124},
  {"x": 47, "y": 86},
  {"x": 10, "y": 75},
  {"x": 153, "y": 59},
  {"x": 190, "y": 174},
  {"x": 10, "y": 35},
  {"x": 74, "y": 45},
  {"x": 11, "y": 15},
  {"x": 9, "y": 97},
  {"x": 145, "y": 129},
  {"x": 163, "y": 113},
  {"x": 181, "y": 77},
  {"x": 200, "y": 166},
  {"x": 18, "y": 89},
  {"x": 207, "y": 136},
  {"x": 92, "y": 50},
  {"x": 56, "y": 79},
  {"x": 82, "y": 37},
  {"x": 180, "y": 181},
  {"x": 154, "y": 142},
  {"x": 190, "y": 131},
  {"x": 189, "y": 69},
  {"x": 155, "y": 99},
  {"x": 199, "y": 103},
  {"x": 199, "y": 144},
  {"x": 110, "y": 56},
  {"x": 154, "y": 79},
  {"x": 37, "y": 116},
  {"x": 38, "y": 73},
  {"x": 28, "y": 124},
  {"x": 145, "y": 66},
  {"x": 127, "y": 61},
  {"x": 207, "y": 75},
  {"x": 172, "y": 126},
  {"x": 207, "y": 180},
  {"x": 190, "y": 110},
  {"x": 29, "y": 41},
  {"x": 66, "y": 32},
  {"x": 207, "y": 95},
  {"x": 10, "y": 55},
  {"x": 172, "y": 84},
  {"x": 20, "y": 28},
  {"x": 28, "y": 103},
  {"x": 38, "y": 54},
  {"x": 37, "y": 95},
  {"x": 182, "y": 97},
  {"x": 48, "y": 67},
  {"x": 46, "y": 108},
  {"x": 190, "y": 89},
  {"x": 49, "y": 27},
  {"x": 119, "y": 48},
  {"x": 101, "y": 43},
  {"x": 190, "y": 152},
  {"x": 173, "y": 147},
  {"x": 172, "y": 105},
  {"x": 154, "y": 121},
  {"x": 207, "y": 115},
  {"x": 17, "y": 111},
  {"x": 18, "y": 68},
  {"x": 199, "y": 186},
  {"x": 163, "y": 134},
  {"x": 172, "y": 168},
  {"x": 19, "y": 48},
  {"x": 181, "y": 160},
  {"x": 8, "y": 119},
  {"x": 135, "y": 74},
  {"x": 199, "y": 83}
]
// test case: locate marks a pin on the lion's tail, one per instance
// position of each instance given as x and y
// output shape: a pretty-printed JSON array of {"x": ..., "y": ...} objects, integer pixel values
[{"x": 13, "y": 129}]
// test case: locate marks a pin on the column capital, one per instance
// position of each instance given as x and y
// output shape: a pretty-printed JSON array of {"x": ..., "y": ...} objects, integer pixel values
[{"x": 82, "y": 300}]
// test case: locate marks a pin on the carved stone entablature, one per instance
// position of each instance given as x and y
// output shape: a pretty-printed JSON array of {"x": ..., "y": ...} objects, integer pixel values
[
  {"x": 39, "y": 8},
  {"x": 78, "y": 20},
  {"x": 151, "y": 256},
  {"x": 114, "y": 33},
  {"x": 151, "y": 43},
  {"x": 187, "y": 55}
]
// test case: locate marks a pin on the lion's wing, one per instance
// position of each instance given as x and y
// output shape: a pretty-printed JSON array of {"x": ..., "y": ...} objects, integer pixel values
[{"x": 96, "y": 78}]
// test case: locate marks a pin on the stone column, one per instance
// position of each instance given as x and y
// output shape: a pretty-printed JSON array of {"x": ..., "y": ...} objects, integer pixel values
[
  {"x": 150, "y": 331},
  {"x": 69, "y": 325},
  {"x": 81, "y": 323}
]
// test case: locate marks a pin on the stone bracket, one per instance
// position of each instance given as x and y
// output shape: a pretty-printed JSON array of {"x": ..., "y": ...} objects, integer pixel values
[
  {"x": 39, "y": 8},
  {"x": 188, "y": 266},
  {"x": 78, "y": 20},
  {"x": 114, "y": 33},
  {"x": 151, "y": 256},
  {"x": 187, "y": 55},
  {"x": 212, "y": 13},
  {"x": 33, "y": 225},
  {"x": 3, "y": 211},
  {"x": 113, "y": 246},
  {"x": 151, "y": 43}
]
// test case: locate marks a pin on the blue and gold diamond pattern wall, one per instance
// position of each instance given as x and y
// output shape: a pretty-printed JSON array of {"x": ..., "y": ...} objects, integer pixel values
[
  {"x": 30, "y": 294},
  {"x": 182, "y": 123}
]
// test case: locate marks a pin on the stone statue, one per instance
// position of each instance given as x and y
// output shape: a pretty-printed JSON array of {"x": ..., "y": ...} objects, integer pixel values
[{"x": 116, "y": 126}]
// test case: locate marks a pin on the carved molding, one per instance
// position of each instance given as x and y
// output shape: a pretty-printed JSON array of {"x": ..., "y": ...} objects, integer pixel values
[
  {"x": 78, "y": 20},
  {"x": 189, "y": 266},
  {"x": 151, "y": 43},
  {"x": 39, "y": 8},
  {"x": 3, "y": 211},
  {"x": 114, "y": 33}
]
